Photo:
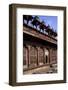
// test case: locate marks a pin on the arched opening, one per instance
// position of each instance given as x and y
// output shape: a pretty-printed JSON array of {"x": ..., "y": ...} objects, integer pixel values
[
  {"x": 33, "y": 56},
  {"x": 46, "y": 56},
  {"x": 25, "y": 57},
  {"x": 41, "y": 53},
  {"x": 54, "y": 55}
]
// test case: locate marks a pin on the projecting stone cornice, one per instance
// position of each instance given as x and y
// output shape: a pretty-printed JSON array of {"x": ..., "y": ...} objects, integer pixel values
[{"x": 33, "y": 32}]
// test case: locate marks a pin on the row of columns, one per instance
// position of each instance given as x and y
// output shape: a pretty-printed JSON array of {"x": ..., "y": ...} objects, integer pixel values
[{"x": 44, "y": 58}]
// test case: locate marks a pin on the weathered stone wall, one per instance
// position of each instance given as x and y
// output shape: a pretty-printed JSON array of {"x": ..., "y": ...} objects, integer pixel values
[
  {"x": 38, "y": 49},
  {"x": 37, "y": 56}
]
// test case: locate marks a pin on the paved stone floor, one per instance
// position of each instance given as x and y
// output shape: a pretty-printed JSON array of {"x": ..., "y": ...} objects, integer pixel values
[{"x": 43, "y": 70}]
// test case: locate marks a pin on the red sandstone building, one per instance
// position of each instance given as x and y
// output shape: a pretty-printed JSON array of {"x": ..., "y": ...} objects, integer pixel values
[{"x": 39, "y": 49}]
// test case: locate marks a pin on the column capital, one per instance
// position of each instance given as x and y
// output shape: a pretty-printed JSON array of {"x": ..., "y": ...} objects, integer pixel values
[
  {"x": 28, "y": 46},
  {"x": 37, "y": 47}
]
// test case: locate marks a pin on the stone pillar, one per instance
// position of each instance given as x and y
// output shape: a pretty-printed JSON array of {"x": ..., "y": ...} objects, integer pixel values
[
  {"x": 50, "y": 55},
  {"x": 28, "y": 55},
  {"x": 37, "y": 55},
  {"x": 44, "y": 55}
]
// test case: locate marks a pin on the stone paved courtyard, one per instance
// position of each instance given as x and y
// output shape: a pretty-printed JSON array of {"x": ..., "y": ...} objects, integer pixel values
[{"x": 42, "y": 70}]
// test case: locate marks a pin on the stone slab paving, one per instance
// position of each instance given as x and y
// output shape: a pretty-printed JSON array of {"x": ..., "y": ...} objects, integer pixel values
[{"x": 43, "y": 70}]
